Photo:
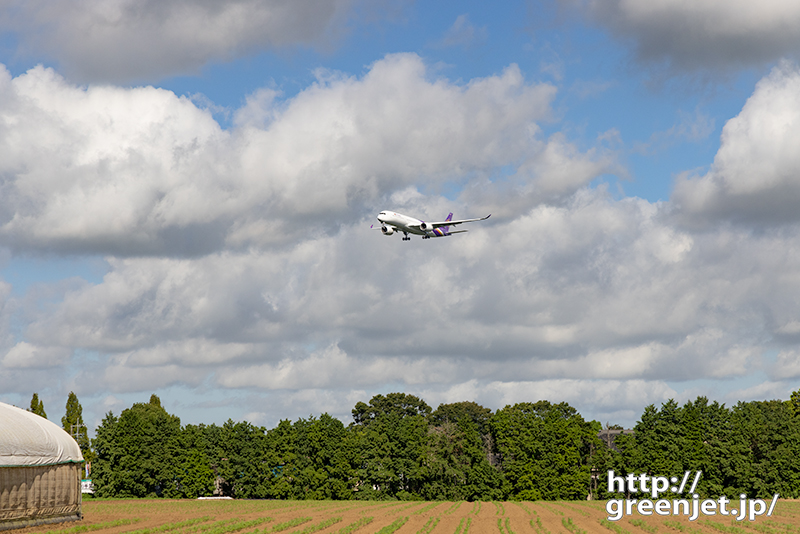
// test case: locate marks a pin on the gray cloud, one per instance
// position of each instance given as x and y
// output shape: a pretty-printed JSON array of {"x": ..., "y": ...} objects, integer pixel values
[
  {"x": 596, "y": 289},
  {"x": 124, "y": 40},
  {"x": 714, "y": 34}
]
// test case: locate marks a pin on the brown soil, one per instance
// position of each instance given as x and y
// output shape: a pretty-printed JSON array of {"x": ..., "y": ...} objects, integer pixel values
[{"x": 129, "y": 516}]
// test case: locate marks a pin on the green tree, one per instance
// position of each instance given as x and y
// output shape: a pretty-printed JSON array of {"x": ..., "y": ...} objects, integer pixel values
[
  {"x": 391, "y": 435},
  {"x": 706, "y": 429},
  {"x": 604, "y": 458},
  {"x": 545, "y": 450},
  {"x": 455, "y": 465},
  {"x": 675, "y": 439},
  {"x": 659, "y": 440},
  {"x": 37, "y": 406},
  {"x": 281, "y": 461},
  {"x": 137, "y": 452},
  {"x": 400, "y": 404},
  {"x": 452, "y": 413},
  {"x": 194, "y": 477},
  {"x": 794, "y": 403},
  {"x": 322, "y": 464},
  {"x": 765, "y": 444},
  {"x": 72, "y": 422},
  {"x": 108, "y": 481},
  {"x": 240, "y": 458}
]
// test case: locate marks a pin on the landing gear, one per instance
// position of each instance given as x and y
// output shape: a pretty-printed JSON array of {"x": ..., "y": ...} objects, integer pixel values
[{"x": 405, "y": 237}]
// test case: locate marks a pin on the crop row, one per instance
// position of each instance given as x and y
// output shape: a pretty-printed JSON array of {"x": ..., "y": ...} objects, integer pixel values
[{"x": 348, "y": 517}]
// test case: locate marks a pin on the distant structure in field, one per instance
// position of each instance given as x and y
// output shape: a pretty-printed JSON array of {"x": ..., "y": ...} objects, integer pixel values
[
  {"x": 609, "y": 436},
  {"x": 40, "y": 471}
]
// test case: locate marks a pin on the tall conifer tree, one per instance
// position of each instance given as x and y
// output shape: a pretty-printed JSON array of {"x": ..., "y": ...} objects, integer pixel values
[
  {"x": 72, "y": 422},
  {"x": 37, "y": 406}
]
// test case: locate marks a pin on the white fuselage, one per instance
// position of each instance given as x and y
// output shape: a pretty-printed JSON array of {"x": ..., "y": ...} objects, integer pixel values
[{"x": 403, "y": 223}]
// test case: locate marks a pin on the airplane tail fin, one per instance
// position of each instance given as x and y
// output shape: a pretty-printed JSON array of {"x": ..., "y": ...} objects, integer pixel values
[{"x": 449, "y": 218}]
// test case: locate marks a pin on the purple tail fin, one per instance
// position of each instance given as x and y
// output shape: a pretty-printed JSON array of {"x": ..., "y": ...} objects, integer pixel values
[{"x": 449, "y": 218}]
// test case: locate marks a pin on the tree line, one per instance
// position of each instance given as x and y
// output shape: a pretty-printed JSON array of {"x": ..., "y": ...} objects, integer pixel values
[
  {"x": 397, "y": 447},
  {"x": 752, "y": 448}
]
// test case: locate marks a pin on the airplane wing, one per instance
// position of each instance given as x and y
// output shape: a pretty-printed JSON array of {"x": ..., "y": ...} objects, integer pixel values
[{"x": 453, "y": 223}]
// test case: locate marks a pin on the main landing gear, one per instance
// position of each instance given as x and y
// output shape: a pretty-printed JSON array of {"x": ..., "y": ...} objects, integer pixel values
[{"x": 406, "y": 238}]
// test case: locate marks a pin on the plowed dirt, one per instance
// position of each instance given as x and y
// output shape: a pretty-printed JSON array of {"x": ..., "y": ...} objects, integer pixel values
[{"x": 148, "y": 516}]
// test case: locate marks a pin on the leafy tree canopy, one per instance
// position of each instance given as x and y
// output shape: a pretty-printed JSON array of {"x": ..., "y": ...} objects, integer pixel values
[
  {"x": 139, "y": 454},
  {"x": 397, "y": 404},
  {"x": 452, "y": 413},
  {"x": 794, "y": 403}
]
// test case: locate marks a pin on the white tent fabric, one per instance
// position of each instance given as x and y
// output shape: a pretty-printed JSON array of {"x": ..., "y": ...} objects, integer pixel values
[{"x": 27, "y": 439}]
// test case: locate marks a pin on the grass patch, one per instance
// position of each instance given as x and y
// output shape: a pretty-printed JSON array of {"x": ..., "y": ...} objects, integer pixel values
[
  {"x": 223, "y": 527},
  {"x": 719, "y": 527},
  {"x": 572, "y": 527},
  {"x": 508, "y": 526},
  {"x": 388, "y": 529},
  {"x": 280, "y": 527},
  {"x": 210, "y": 527},
  {"x": 610, "y": 525},
  {"x": 429, "y": 526},
  {"x": 172, "y": 526},
  {"x": 548, "y": 507},
  {"x": 538, "y": 527},
  {"x": 463, "y": 526},
  {"x": 524, "y": 507},
  {"x": 426, "y": 508},
  {"x": 568, "y": 506},
  {"x": 98, "y": 526},
  {"x": 352, "y": 527},
  {"x": 454, "y": 507},
  {"x": 644, "y": 526},
  {"x": 319, "y": 526},
  {"x": 674, "y": 525}
]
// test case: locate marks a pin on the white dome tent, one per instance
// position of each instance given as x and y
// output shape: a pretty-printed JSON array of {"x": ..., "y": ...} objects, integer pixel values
[{"x": 40, "y": 468}]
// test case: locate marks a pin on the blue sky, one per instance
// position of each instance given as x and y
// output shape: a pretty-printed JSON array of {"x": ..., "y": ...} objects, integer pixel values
[{"x": 185, "y": 193}]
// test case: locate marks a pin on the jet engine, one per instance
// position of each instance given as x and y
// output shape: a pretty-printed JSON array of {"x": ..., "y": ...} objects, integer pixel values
[
  {"x": 425, "y": 226},
  {"x": 387, "y": 230}
]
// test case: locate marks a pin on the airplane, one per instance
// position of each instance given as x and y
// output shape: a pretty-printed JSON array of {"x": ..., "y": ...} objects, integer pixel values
[{"x": 392, "y": 222}]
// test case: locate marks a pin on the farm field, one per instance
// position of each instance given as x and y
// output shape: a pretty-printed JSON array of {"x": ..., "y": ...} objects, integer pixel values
[{"x": 157, "y": 516}]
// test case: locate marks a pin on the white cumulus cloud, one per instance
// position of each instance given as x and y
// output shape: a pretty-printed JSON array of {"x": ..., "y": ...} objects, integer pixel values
[
  {"x": 755, "y": 177},
  {"x": 140, "y": 171}
]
